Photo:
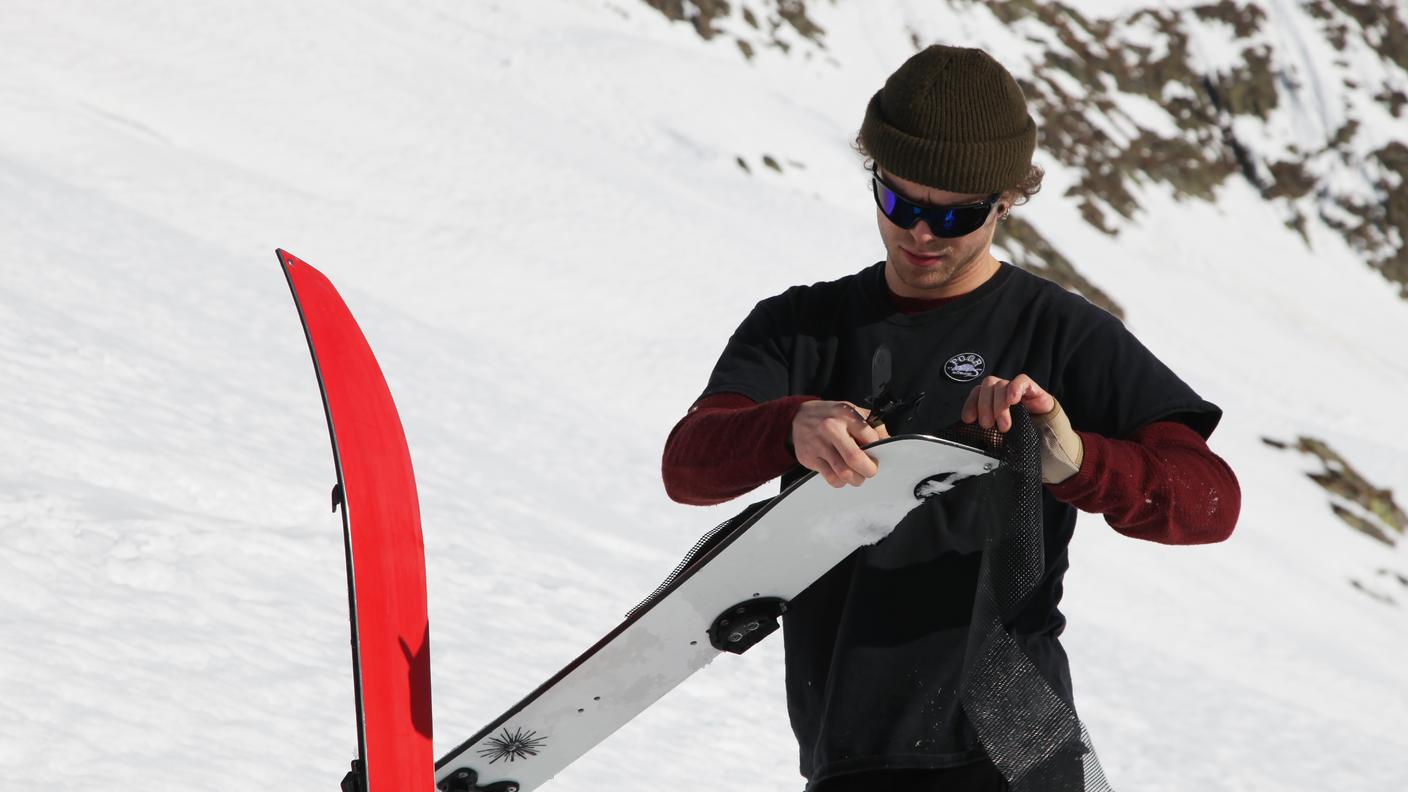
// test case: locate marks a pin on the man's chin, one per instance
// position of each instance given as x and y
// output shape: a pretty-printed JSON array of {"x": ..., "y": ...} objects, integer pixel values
[{"x": 926, "y": 277}]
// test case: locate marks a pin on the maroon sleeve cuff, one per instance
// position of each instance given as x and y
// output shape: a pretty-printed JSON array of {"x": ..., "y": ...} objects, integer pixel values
[
  {"x": 1163, "y": 484},
  {"x": 728, "y": 445},
  {"x": 1084, "y": 488}
]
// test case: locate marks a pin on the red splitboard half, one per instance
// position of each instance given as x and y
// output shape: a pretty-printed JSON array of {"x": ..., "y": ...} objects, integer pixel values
[{"x": 385, "y": 552}]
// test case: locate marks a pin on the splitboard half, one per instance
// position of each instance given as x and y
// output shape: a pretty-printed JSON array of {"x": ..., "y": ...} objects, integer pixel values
[
  {"x": 726, "y": 596},
  {"x": 376, "y": 489}
]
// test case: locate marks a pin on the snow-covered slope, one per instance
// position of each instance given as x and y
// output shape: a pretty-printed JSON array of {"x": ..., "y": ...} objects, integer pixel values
[{"x": 538, "y": 213}]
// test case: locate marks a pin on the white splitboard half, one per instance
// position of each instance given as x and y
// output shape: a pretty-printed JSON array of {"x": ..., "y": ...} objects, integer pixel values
[{"x": 779, "y": 551}]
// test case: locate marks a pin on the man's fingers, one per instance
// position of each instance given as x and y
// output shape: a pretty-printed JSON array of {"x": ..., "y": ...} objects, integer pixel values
[
  {"x": 1037, "y": 400},
  {"x": 865, "y": 434},
  {"x": 827, "y": 439},
  {"x": 986, "y": 415},
  {"x": 991, "y": 401},
  {"x": 861, "y": 429},
  {"x": 850, "y": 462},
  {"x": 1018, "y": 389},
  {"x": 1001, "y": 418},
  {"x": 1025, "y": 391},
  {"x": 845, "y": 445},
  {"x": 825, "y": 469},
  {"x": 858, "y": 461},
  {"x": 842, "y": 468}
]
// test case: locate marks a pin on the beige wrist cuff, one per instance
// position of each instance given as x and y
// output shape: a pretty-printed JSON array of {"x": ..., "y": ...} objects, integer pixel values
[{"x": 1061, "y": 449}]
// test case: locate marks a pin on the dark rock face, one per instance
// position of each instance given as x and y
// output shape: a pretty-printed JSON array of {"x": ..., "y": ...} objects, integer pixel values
[
  {"x": 1030, "y": 251},
  {"x": 1378, "y": 228},
  {"x": 699, "y": 13},
  {"x": 1359, "y": 504},
  {"x": 1108, "y": 57},
  {"x": 1089, "y": 69},
  {"x": 767, "y": 17}
]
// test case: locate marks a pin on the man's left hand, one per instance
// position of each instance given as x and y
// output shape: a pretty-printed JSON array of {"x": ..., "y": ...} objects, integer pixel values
[{"x": 990, "y": 402}]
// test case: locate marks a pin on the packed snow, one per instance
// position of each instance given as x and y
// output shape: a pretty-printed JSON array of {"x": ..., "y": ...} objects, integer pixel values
[{"x": 537, "y": 214}]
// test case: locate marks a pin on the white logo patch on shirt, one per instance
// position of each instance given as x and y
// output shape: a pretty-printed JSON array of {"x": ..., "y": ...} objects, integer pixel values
[{"x": 965, "y": 367}]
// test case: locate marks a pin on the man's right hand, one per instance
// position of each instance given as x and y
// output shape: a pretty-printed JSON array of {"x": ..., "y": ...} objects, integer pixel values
[{"x": 827, "y": 436}]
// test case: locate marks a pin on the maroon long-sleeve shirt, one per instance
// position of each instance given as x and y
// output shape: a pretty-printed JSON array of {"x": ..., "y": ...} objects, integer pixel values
[{"x": 1162, "y": 483}]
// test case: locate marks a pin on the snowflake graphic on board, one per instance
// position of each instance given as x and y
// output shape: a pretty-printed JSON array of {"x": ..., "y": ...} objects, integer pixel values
[{"x": 518, "y": 744}]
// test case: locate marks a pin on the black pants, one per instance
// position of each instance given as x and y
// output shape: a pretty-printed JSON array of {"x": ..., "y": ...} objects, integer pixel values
[{"x": 977, "y": 777}]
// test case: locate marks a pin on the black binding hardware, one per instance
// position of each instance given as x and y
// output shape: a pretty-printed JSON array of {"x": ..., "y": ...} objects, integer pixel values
[
  {"x": 884, "y": 407},
  {"x": 352, "y": 782},
  {"x": 467, "y": 780},
  {"x": 743, "y": 625}
]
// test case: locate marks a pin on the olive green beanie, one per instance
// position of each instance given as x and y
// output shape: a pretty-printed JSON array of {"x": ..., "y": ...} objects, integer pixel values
[{"x": 951, "y": 118}]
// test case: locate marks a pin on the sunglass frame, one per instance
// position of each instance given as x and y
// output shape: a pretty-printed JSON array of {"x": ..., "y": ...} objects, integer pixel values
[{"x": 946, "y": 222}]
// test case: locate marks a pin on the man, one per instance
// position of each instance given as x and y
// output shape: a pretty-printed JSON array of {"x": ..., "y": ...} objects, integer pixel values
[{"x": 875, "y": 648}]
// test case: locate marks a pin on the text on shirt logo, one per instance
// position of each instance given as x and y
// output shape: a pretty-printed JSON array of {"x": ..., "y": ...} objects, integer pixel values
[{"x": 965, "y": 367}]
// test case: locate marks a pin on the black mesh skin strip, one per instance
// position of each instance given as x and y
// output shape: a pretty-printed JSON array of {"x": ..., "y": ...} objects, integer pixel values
[{"x": 1029, "y": 732}]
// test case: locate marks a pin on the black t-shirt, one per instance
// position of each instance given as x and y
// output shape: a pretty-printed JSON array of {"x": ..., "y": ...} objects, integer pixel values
[{"x": 875, "y": 647}]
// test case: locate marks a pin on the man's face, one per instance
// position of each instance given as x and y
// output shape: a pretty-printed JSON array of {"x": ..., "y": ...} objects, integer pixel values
[{"x": 919, "y": 264}]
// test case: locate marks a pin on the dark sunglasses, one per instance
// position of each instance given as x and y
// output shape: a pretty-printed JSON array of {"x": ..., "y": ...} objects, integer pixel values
[{"x": 944, "y": 221}]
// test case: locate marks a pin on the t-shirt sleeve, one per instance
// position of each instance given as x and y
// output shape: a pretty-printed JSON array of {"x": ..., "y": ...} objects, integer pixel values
[
  {"x": 1113, "y": 385},
  {"x": 756, "y": 360}
]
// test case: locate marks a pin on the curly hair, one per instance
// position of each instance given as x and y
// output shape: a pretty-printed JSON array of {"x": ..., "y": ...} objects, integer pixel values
[{"x": 1025, "y": 188}]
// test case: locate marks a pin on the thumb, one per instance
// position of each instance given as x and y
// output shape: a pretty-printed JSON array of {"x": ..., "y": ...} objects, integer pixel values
[
  {"x": 1020, "y": 390},
  {"x": 1037, "y": 400}
]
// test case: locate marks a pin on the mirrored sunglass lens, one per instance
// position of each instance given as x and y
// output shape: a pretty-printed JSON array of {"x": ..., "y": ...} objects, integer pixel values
[
  {"x": 961, "y": 221},
  {"x": 954, "y": 222},
  {"x": 888, "y": 198}
]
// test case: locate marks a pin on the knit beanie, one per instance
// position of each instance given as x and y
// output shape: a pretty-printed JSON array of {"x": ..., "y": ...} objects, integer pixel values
[{"x": 951, "y": 118}]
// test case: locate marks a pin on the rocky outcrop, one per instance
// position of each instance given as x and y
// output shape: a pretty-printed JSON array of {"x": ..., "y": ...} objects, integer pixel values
[
  {"x": 1030, "y": 251},
  {"x": 765, "y": 20},
  {"x": 1091, "y": 66},
  {"x": 1187, "y": 99},
  {"x": 1359, "y": 504}
]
